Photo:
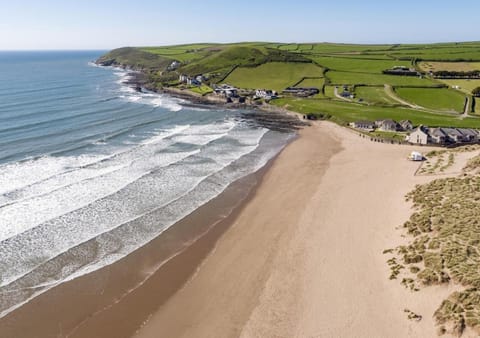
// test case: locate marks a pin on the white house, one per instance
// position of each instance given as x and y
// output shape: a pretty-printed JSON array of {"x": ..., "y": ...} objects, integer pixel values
[{"x": 418, "y": 136}]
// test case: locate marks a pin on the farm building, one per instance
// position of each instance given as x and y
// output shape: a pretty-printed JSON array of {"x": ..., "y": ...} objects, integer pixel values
[{"x": 301, "y": 91}]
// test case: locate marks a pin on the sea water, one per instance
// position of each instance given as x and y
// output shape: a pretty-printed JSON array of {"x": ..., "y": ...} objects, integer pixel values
[{"x": 91, "y": 169}]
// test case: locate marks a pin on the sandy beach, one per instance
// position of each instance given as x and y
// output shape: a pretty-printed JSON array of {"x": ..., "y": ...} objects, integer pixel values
[
  {"x": 304, "y": 257},
  {"x": 301, "y": 256}
]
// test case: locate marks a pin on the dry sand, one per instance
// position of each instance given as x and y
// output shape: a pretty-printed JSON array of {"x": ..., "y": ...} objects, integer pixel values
[{"x": 304, "y": 256}]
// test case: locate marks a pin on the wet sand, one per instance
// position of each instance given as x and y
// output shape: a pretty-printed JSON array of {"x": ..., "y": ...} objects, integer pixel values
[{"x": 117, "y": 299}]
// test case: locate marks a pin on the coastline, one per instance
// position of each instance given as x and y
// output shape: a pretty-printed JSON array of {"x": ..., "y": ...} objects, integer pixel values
[
  {"x": 103, "y": 300},
  {"x": 304, "y": 258},
  {"x": 300, "y": 255}
]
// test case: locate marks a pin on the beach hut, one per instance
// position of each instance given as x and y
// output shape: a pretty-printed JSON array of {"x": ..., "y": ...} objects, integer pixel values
[{"x": 415, "y": 156}]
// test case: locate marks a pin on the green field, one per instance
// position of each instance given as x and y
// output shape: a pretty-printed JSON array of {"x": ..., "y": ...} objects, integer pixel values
[
  {"x": 201, "y": 89},
  {"x": 358, "y": 65},
  {"x": 374, "y": 95},
  {"x": 465, "y": 85},
  {"x": 434, "y": 98},
  {"x": 273, "y": 75},
  {"x": 341, "y": 78},
  {"x": 312, "y": 82}
]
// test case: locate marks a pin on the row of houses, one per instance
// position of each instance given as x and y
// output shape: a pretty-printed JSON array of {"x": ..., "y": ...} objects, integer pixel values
[
  {"x": 383, "y": 125},
  {"x": 443, "y": 136}
]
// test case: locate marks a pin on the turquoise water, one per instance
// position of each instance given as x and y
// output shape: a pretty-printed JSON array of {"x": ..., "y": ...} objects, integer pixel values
[{"x": 91, "y": 170}]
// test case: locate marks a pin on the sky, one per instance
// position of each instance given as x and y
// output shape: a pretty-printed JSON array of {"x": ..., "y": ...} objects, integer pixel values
[{"x": 90, "y": 24}]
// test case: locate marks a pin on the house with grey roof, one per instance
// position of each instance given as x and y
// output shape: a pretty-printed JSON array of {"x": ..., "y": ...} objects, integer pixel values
[
  {"x": 469, "y": 135},
  {"x": 438, "y": 136},
  {"x": 363, "y": 125},
  {"x": 406, "y": 125},
  {"x": 453, "y": 135},
  {"x": 387, "y": 125}
]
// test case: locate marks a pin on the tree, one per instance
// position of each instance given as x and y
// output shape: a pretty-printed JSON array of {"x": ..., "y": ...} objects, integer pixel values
[{"x": 476, "y": 92}]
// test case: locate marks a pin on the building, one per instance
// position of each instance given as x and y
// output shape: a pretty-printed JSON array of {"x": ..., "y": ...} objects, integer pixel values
[
  {"x": 437, "y": 135},
  {"x": 387, "y": 125},
  {"x": 402, "y": 70},
  {"x": 418, "y": 136},
  {"x": 453, "y": 135},
  {"x": 469, "y": 135},
  {"x": 174, "y": 65},
  {"x": 226, "y": 91},
  {"x": 266, "y": 94},
  {"x": 363, "y": 125},
  {"x": 406, "y": 125},
  {"x": 301, "y": 91}
]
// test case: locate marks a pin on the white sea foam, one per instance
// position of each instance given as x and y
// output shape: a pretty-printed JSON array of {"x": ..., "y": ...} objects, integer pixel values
[
  {"x": 160, "y": 200},
  {"x": 64, "y": 216}
]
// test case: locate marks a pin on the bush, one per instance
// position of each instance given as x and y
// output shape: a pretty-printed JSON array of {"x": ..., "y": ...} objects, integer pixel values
[{"x": 476, "y": 92}]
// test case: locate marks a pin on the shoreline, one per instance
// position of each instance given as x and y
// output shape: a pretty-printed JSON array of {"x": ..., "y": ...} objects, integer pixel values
[
  {"x": 160, "y": 267},
  {"x": 301, "y": 254},
  {"x": 304, "y": 258}
]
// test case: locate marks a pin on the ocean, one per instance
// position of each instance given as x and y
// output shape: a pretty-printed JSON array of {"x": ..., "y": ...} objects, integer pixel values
[{"x": 91, "y": 170}]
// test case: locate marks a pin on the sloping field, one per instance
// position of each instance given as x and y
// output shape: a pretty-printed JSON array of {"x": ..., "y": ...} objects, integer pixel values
[
  {"x": 373, "y": 95},
  {"x": 340, "y": 78},
  {"x": 273, "y": 75},
  {"x": 465, "y": 86},
  {"x": 434, "y": 98},
  {"x": 358, "y": 65},
  {"x": 449, "y": 66}
]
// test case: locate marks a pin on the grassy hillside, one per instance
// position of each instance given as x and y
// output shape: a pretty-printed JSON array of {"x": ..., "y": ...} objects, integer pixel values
[
  {"x": 136, "y": 58},
  {"x": 434, "y": 98},
  {"x": 374, "y": 95},
  {"x": 254, "y": 65},
  {"x": 273, "y": 75}
]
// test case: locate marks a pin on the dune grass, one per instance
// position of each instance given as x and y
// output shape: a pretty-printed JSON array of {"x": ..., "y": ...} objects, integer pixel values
[{"x": 445, "y": 245}]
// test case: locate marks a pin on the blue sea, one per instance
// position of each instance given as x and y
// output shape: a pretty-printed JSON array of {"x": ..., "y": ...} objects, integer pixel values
[{"x": 84, "y": 158}]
